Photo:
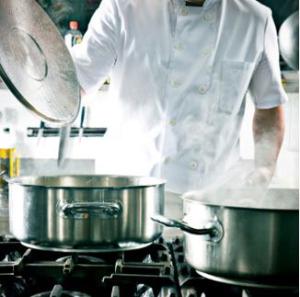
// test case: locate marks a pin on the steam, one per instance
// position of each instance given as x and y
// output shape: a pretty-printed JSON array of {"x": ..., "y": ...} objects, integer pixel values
[
  {"x": 230, "y": 186},
  {"x": 255, "y": 198},
  {"x": 232, "y": 190}
]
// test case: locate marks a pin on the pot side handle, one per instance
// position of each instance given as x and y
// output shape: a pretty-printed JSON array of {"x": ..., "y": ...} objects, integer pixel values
[
  {"x": 215, "y": 230},
  {"x": 83, "y": 210}
]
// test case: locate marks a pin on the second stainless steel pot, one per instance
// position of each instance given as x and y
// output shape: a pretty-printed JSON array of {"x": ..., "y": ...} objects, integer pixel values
[
  {"x": 85, "y": 213},
  {"x": 246, "y": 238}
]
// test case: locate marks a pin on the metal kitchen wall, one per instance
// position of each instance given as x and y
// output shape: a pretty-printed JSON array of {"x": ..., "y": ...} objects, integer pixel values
[
  {"x": 83, "y": 10},
  {"x": 63, "y": 11},
  {"x": 281, "y": 9}
]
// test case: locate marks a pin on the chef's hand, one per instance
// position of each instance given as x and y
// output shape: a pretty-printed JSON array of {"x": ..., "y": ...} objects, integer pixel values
[{"x": 260, "y": 177}]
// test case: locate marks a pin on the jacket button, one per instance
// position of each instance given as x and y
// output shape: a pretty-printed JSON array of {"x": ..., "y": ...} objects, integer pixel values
[
  {"x": 175, "y": 83},
  {"x": 184, "y": 11},
  {"x": 194, "y": 164},
  {"x": 209, "y": 17},
  {"x": 203, "y": 88}
]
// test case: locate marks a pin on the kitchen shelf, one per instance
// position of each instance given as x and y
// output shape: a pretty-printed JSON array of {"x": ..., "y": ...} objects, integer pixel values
[{"x": 75, "y": 132}]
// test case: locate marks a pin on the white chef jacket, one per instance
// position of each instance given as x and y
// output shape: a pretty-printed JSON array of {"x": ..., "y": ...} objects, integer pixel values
[{"x": 179, "y": 76}]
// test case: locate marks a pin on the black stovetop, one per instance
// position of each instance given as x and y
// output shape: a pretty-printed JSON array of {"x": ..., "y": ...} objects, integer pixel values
[{"x": 158, "y": 270}]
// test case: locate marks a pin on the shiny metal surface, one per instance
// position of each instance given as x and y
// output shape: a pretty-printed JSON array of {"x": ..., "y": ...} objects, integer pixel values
[
  {"x": 249, "y": 283},
  {"x": 257, "y": 245},
  {"x": 213, "y": 228},
  {"x": 87, "y": 181},
  {"x": 85, "y": 213},
  {"x": 289, "y": 40},
  {"x": 103, "y": 210},
  {"x": 35, "y": 64},
  {"x": 63, "y": 144},
  {"x": 128, "y": 246},
  {"x": 4, "y": 216}
]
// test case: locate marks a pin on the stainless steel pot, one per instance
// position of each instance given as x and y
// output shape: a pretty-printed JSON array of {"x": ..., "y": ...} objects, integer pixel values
[
  {"x": 4, "y": 217},
  {"x": 242, "y": 237},
  {"x": 4, "y": 221},
  {"x": 289, "y": 40},
  {"x": 85, "y": 213}
]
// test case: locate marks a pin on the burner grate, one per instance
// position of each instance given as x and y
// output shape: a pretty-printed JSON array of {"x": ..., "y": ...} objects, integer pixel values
[
  {"x": 159, "y": 270},
  {"x": 131, "y": 273}
]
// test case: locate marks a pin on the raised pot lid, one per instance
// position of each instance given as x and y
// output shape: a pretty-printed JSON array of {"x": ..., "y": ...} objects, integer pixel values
[{"x": 35, "y": 64}]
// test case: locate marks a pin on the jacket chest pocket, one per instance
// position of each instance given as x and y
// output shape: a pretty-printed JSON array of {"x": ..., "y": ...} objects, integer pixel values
[{"x": 234, "y": 83}]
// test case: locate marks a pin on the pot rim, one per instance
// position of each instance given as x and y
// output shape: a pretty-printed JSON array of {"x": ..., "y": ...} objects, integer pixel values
[
  {"x": 92, "y": 181},
  {"x": 267, "y": 203}
]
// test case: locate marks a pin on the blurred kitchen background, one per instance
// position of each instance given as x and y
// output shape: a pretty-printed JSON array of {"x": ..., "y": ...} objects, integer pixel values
[{"x": 37, "y": 146}]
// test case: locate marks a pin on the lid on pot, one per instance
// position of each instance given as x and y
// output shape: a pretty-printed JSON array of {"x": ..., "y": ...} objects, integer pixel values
[
  {"x": 272, "y": 199},
  {"x": 35, "y": 64}
]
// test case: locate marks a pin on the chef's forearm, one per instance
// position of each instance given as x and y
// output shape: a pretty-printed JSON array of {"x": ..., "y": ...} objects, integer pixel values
[{"x": 268, "y": 131}]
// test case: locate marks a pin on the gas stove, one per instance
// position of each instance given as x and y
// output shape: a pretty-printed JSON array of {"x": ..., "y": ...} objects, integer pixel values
[{"x": 158, "y": 270}]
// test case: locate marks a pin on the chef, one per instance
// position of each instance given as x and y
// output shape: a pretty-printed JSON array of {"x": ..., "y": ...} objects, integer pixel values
[{"x": 179, "y": 74}]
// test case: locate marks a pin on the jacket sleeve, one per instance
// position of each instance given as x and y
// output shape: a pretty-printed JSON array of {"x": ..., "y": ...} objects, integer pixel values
[
  {"x": 266, "y": 87},
  {"x": 95, "y": 56}
]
